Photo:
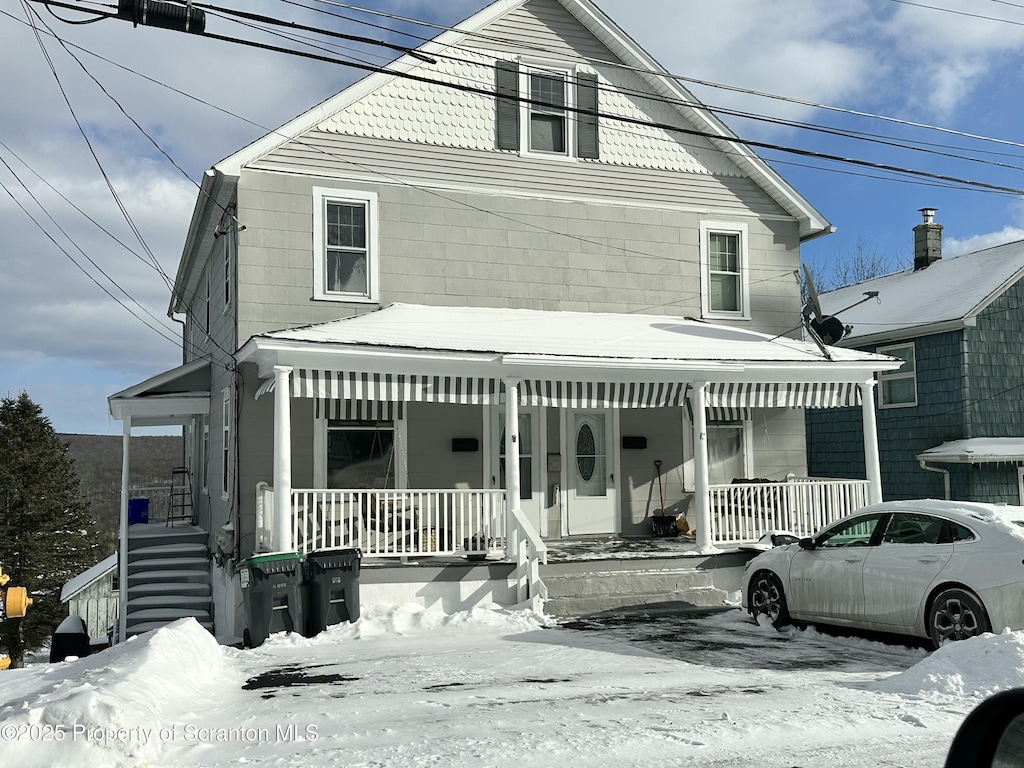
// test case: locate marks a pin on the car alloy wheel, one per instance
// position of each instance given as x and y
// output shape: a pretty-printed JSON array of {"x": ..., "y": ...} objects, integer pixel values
[
  {"x": 768, "y": 597},
  {"x": 956, "y": 614}
]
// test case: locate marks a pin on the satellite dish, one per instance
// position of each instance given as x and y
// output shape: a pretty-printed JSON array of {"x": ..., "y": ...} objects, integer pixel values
[{"x": 828, "y": 328}]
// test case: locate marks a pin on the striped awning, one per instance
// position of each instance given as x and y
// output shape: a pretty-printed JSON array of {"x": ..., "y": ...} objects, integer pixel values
[
  {"x": 370, "y": 388},
  {"x": 791, "y": 395},
  {"x": 345, "y": 393}
]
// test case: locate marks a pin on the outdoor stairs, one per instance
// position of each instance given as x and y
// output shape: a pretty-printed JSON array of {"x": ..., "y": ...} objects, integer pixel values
[
  {"x": 650, "y": 585},
  {"x": 168, "y": 576}
]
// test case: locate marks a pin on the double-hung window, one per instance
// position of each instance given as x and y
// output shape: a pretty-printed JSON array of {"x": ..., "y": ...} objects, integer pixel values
[
  {"x": 898, "y": 389},
  {"x": 225, "y": 468},
  {"x": 724, "y": 270},
  {"x": 548, "y": 124},
  {"x": 345, "y": 266},
  {"x": 546, "y": 110}
]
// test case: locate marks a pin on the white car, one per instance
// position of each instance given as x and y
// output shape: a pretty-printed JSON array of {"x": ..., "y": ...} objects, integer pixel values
[{"x": 944, "y": 570}]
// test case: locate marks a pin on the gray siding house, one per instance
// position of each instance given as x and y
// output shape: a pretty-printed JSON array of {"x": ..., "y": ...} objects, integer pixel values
[
  {"x": 951, "y": 418},
  {"x": 512, "y": 231}
]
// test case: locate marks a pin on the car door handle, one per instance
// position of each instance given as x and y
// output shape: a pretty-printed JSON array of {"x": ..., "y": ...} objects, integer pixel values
[
  {"x": 928, "y": 559},
  {"x": 854, "y": 559}
]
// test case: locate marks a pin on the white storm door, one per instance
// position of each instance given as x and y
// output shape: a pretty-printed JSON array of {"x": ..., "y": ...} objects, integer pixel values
[
  {"x": 531, "y": 492},
  {"x": 591, "y": 501}
]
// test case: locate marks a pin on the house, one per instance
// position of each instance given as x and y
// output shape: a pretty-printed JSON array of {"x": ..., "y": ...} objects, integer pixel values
[
  {"x": 951, "y": 418},
  {"x": 529, "y": 222},
  {"x": 93, "y": 595}
]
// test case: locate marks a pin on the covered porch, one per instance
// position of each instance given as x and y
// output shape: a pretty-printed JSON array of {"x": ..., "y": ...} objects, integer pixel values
[{"x": 585, "y": 375}]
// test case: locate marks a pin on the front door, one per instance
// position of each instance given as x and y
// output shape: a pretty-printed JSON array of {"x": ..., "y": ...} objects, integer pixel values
[{"x": 590, "y": 498}]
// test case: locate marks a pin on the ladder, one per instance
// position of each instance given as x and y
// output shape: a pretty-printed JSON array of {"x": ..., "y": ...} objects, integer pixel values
[{"x": 181, "y": 496}]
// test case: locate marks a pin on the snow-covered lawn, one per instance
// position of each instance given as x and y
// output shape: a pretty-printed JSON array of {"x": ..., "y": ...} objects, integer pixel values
[{"x": 490, "y": 687}]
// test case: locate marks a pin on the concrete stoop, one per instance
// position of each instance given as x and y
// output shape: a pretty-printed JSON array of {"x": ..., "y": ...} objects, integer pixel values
[{"x": 628, "y": 588}]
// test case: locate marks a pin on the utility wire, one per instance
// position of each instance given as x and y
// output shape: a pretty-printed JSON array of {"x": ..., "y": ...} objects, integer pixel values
[{"x": 657, "y": 72}]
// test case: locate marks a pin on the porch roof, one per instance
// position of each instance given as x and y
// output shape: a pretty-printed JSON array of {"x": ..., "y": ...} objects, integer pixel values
[
  {"x": 537, "y": 344},
  {"x": 171, "y": 397},
  {"x": 976, "y": 450}
]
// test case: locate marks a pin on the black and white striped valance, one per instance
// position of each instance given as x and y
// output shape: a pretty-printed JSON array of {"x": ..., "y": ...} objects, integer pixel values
[
  {"x": 584, "y": 394},
  {"x": 735, "y": 396},
  {"x": 359, "y": 410},
  {"x": 394, "y": 388}
]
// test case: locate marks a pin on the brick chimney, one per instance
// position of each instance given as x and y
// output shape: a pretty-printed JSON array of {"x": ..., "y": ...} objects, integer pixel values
[{"x": 927, "y": 240}]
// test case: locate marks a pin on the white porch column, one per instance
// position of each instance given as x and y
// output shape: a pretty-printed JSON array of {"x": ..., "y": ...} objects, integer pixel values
[
  {"x": 512, "y": 480},
  {"x": 873, "y": 470},
  {"x": 701, "y": 483},
  {"x": 122, "y": 547},
  {"x": 282, "y": 459}
]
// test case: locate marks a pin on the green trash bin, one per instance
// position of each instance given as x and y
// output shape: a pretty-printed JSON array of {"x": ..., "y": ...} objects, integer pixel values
[
  {"x": 332, "y": 584},
  {"x": 273, "y": 594}
]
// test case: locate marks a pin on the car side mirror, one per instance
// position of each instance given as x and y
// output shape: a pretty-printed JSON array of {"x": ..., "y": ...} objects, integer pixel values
[
  {"x": 992, "y": 735},
  {"x": 807, "y": 544}
]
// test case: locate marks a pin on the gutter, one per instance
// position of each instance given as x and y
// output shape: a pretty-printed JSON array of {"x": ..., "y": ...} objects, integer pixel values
[{"x": 944, "y": 472}]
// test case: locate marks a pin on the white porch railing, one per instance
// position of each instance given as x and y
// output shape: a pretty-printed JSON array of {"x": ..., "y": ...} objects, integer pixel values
[
  {"x": 744, "y": 512},
  {"x": 531, "y": 552},
  {"x": 390, "y": 523}
]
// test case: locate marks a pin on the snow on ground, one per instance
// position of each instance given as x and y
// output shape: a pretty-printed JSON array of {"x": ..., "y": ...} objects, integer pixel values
[{"x": 408, "y": 687}]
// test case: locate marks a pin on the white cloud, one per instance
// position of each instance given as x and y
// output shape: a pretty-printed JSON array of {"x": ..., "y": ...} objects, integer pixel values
[{"x": 952, "y": 246}]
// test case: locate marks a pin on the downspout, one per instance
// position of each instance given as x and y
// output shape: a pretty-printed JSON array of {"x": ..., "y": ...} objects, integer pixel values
[{"x": 944, "y": 472}]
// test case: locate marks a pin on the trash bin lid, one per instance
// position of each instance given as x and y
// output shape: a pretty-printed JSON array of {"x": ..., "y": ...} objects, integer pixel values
[{"x": 273, "y": 562}]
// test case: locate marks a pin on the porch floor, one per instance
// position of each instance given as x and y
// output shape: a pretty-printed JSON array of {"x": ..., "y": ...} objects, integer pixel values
[{"x": 577, "y": 549}]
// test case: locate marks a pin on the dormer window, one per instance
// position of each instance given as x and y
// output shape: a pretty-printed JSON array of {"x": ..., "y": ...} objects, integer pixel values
[{"x": 546, "y": 110}]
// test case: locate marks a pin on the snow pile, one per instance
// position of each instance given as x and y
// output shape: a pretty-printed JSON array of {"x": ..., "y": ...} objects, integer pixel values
[
  {"x": 411, "y": 619},
  {"x": 109, "y": 707},
  {"x": 977, "y": 667}
]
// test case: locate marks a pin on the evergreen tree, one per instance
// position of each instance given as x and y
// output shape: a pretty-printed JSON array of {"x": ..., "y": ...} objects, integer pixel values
[{"x": 46, "y": 533}]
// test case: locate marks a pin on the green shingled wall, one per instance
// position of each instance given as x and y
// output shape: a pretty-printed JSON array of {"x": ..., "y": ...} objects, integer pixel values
[{"x": 995, "y": 365}]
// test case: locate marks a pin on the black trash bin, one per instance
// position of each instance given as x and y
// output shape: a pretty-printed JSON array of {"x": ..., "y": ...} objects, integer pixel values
[
  {"x": 272, "y": 592},
  {"x": 70, "y": 638},
  {"x": 332, "y": 583}
]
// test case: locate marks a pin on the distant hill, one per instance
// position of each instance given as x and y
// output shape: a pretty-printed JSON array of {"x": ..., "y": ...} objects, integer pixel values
[{"x": 98, "y": 463}]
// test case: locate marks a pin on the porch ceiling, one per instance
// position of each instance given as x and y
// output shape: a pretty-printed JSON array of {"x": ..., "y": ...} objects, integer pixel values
[
  {"x": 535, "y": 344},
  {"x": 169, "y": 398}
]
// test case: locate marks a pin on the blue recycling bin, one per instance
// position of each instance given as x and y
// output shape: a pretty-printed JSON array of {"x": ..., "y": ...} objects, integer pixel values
[{"x": 138, "y": 511}]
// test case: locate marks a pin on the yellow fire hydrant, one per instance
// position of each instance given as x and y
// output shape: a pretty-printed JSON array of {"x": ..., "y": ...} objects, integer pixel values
[{"x": 14, "y": 602}]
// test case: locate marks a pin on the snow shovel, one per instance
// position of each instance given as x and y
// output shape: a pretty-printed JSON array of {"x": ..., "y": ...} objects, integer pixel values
[{"x": 661, "y": 523}]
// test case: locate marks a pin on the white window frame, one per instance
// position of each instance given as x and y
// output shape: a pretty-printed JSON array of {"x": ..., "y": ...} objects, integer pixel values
[
  {"x": 225, "y": 490},
  {"x": 899, "y": 373},
  {"x": 321, "y": 197},
  {"x": 229, "y": 296},
  {"x": 708, "y": 228},
  {"x": 689, "y": 465},
  {"x": 528, "y": 67},
  {"x": 321, "y": 425}
]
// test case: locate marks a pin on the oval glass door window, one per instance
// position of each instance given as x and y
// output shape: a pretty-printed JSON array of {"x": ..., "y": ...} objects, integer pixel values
[
  {"x": 591, "y": 477},
  {"x": 585, "y": 448}
]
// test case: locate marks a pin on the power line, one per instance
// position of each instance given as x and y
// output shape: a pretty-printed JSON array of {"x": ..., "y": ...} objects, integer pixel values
[{"x": 657, "y": 72}]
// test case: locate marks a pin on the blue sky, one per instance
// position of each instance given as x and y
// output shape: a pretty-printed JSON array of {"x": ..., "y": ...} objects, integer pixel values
[{"x": 70, "y": 345}]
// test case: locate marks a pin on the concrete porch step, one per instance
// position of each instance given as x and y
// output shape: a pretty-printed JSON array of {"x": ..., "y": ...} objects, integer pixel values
[{"x": 629, "y": 586}]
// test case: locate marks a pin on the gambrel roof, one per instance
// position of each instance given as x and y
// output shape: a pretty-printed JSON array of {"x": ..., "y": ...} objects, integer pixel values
[{"x": 947, "y": 295}]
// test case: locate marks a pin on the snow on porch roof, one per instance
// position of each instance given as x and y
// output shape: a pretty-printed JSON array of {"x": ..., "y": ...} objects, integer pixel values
[
  {"x": 563, "y": 336},
  {"x": 976, "y": 450}
]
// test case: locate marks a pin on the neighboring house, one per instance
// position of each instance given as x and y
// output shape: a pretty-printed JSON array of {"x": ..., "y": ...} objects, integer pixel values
[
  {"x": 93, "y": 595},
  {"x": 512, "y": 233},
  {"x": 951, "y": 418}
]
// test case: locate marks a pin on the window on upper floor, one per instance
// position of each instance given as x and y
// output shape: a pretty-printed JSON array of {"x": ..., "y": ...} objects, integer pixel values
[
  {"x": 724, "y": 270},
  {"x": 345, "y": 261},
  {"x": 546, "y": 110},
  {"x": 898, "y": 389},
  {"x": 225, "y": 468}
]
